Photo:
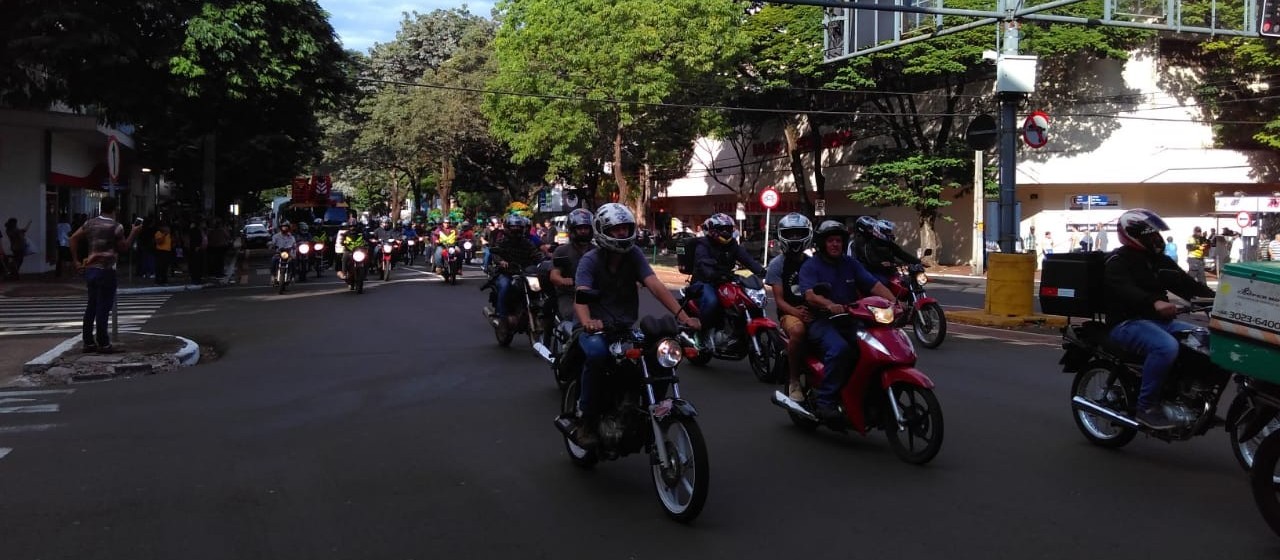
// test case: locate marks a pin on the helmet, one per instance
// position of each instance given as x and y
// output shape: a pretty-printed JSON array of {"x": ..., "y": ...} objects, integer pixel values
[
  {"x": 386, "y": 222},
  {"x": 795, "y": 232},
  {"x": 302, "y": 227},
  {"x": 1140, "y": 229},
  {"x": 884, "y": 230},
  {"x": 285, "y": 224},
  {"x": 609, "y": 216},
  {"x": 446, "y": 221},
  {"x": 577, "y": 219},
  {"x": 827, "y": 229},
  {"x": 719, "y": 227},
  {"x": 517, "y": 226},
  {"x": 866, "y": 226}
]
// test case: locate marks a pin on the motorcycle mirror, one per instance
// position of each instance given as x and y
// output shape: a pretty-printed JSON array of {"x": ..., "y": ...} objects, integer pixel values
[
  {"x": 561, "y": 262},
  {"x": 823, "y": 289},
  {"x": 586, "y": 297}
]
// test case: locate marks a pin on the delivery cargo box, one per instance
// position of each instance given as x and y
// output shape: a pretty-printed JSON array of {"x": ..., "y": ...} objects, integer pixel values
[
  {"x": 1071, "y": 284},
  {"x": 1248, "y": 302}
]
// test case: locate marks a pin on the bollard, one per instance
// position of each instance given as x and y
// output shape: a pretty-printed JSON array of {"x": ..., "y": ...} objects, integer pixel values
[{"x": 1010, "y": 282}]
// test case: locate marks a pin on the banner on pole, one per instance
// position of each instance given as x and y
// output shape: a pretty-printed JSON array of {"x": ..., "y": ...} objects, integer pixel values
[{"x": 301, "y": 189}]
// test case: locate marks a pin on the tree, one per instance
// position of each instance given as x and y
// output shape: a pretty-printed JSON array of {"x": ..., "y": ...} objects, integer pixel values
[{"x": 589, "y": 74}]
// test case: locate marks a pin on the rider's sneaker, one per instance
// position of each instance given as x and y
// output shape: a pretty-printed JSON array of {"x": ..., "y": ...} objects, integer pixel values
[
  {"x": 794, "y": 392},
  {"x": 1155, "y": 419}
]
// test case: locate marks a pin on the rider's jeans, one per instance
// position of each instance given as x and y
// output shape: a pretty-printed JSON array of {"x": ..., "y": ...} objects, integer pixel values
[
  {"x": 1154, "y": 339},
  {"x": 503, "y": 283},
  {"x": 839, "y": 355},
  {"x": 596, "y": 350},
  {"x": 439, "y": 260},
  {"x": 275, "y": 262},
  {"x": 708, "y": 304}
]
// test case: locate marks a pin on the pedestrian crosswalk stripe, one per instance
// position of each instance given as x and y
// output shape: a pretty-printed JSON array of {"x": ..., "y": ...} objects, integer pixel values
[{"x": 56, "y": 315}]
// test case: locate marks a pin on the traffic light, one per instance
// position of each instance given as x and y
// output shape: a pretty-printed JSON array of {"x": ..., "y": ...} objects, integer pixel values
[{"x": 1270, "y": 24}]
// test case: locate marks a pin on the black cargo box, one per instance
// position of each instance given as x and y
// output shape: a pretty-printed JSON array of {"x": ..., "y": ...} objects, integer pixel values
[{"x": 1071, "y": 284}]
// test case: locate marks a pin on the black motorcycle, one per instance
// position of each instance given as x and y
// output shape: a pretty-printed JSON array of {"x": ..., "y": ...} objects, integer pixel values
[
  {"x": 527, "y": 300},
  {"x": 642, "y": 411},
  {"x": 452, "y": 257},
  {"x": 1104, "y": 393},
  {"x": 355, "y": 266}
]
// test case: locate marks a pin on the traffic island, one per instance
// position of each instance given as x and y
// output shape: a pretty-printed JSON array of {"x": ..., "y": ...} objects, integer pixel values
[
  {"x": 138, "y": 354},
  {"x": 1010, "y": 283}
]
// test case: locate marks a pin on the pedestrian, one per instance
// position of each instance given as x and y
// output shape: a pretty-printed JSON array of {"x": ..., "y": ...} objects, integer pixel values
[
  {"x": 196, "y": 245},
  {"x": 1273, "y": 248},
  {"x": 1029, "y": 243},
  {"x": 1100, "y": 240},
  {"x": 1171, "y": 249},
  {"x": 64, "y": 243},
  {"x": 219, "y": 242},
  {"x": 1048, "y": 243},
  {"x": 106, "y": 239},
  {"x": 1086, "y": 240},
  {"x": 1197, "y": 247},
  {"x": 19, "y": 247},
  {"x": 163, "y": 242}
]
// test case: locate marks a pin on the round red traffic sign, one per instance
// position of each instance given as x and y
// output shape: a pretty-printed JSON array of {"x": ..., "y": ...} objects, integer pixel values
[
  {"x": 1035, "y": 130},
  {"x": 769, "y": 198},
  {"x": 1243, "y": 219},
  {"x": 113, "y": 158}
]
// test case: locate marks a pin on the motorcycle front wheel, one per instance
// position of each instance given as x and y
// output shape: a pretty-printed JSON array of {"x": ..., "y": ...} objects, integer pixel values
[
  {"x": 1101, "y": 385},
  {"x": 360, "y": 282},
  {"x": 1262, "y": 480},
  {"x": 930, "y": 325},
  {"x": 769, "y": 364},
  {"x": 919, "y": 438},
  {"x": 682, "y": 485},
  {"x": 1245, "y": 413}
]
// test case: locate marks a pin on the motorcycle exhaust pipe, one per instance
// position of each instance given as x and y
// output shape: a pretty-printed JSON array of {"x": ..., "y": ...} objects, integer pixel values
[
  {"x": 543, "y": 351},
  {"x": 1081, "y": 403},
  {"x": 791, "y": 406}
]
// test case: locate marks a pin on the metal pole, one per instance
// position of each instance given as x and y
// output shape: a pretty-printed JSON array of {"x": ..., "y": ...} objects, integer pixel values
[
  {"x": 764, "y": 253},
  {"x": 979, "y": 200},
  {"x": 1008, "y": 169}
]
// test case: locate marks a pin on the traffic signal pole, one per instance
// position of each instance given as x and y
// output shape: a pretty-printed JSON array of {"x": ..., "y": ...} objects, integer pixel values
[{"x": 1009, "y": 101}]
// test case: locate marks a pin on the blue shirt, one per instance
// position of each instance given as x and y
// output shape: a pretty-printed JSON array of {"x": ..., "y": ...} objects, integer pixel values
[
  {"x": 847, "y": 276},
  {"x": 619, "y": 302}
]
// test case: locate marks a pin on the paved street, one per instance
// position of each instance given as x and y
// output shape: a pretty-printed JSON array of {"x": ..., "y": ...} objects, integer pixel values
[
  {"x": 54, "y": 315},
  {"x": 390, "y": 425}
]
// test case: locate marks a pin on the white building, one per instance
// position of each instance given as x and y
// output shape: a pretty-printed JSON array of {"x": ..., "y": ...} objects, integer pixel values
[{"x": 1154, "y": 152}]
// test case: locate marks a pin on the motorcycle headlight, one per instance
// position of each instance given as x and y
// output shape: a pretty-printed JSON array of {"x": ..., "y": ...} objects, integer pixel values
[
  {"x": 669, "y": 353},
  {"x": 882, "y": 314},
  {"x": 304, "y": 249},
  {"x": 411, "y": 242},
  {"x": 467, "y": 245},
  {"x": 533, "y": 283},
  {"x": 358, "y": 256},
  {"x": 922, "y": 278},
  {"x": 319, "y": 246},
  {"x": 756, "y": 296},
  {"x": 284, "y": 255},
  {"x": 386, "y": 248}
]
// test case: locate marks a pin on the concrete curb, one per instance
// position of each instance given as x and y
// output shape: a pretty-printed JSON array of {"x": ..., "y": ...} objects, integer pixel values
[
  {"x": 188, "y": 355},
  {"x": 165, "y": 289},
  {"x": 981, "y": 318}
]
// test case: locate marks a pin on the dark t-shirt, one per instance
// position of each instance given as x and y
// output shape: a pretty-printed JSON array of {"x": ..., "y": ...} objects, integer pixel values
[
  {"x": 619, "y": 303},
  {"x": 846, "y": 276},
  {"x": 103, "y": 235},
  {"x": 575, "y": 256}
]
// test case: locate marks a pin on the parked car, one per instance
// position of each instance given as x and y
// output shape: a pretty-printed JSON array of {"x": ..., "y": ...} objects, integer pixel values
[{"x": 256, "y": 235}]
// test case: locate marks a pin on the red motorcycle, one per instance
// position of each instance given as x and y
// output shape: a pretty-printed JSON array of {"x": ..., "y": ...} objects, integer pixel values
[
  {"x": 924, "y": 314},
  {"x": 744, "y": 331},
  {"x": 885, "y": 389}
]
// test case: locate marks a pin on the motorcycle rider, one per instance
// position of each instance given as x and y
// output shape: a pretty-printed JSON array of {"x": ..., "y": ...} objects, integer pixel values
[
  {"x": 281, "y": 241},
  {"x": 517, "y": 249},
  {"x": 346, "y": 243},
  {"x": 783, "y": 274},
  {"x": 614, "y": 270},
  {"x": 581, "y": 232},
  {"x": 876, "y": 249},
  {"x": 444, "y": 237},
  {"x": 488, "y": 239},
  {"x": 714, "y": 257},
  {"x": 1137, "y": 278},
  {"x": 846, "y": 278}
]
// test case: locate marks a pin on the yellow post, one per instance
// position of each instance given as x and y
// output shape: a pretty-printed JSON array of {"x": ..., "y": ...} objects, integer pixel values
[{"x": 1010, "y": 282}]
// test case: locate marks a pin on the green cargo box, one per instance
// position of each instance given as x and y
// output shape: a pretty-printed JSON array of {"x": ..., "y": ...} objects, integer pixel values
[{"x": 1245, "y": 322}]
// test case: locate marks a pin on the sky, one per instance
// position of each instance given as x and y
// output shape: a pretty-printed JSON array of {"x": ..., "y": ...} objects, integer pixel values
[{"x": 361, "y": 23}]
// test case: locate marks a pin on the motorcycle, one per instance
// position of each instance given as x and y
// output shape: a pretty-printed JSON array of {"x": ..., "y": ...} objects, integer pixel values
[
  {"x": 557, "y": 333},
  {"x": 284, "y": 269},
  {"x": 411, "y": 253},
  {"x": 386, "y": 252},
  {"x": 924, "y": 314},
  {"x": 468, "y": 251},
  {"x": 304, "y": 260},
  {"x": 356, "y": 268},
  {"x": 1264, "y": 480},
  {"x": 317, "y": 250},
  {"x": 643, "y": 411},
  {"x": 885, "y": 390},
  {"x": 1108, "y": 378},
  {"x": 452, "y": 257},
  {"x": 526, "y": 290},
  {"x": 744, "y": 331}
]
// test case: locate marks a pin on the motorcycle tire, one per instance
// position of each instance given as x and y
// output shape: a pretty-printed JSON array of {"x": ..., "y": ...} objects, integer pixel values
[
  {"x": 1262, "y": 481},
  {"x": 922, "y": 417},
  {"x": 581, "y": 457},
  {"x": 504, "y": 337},
  {"x": 769, "y": 365},
  {"x": 1116, "y": 396},
  {"x": 1243, "y": 411},
  {"x": 386, "y": 273},
  {"x": 682, "y": 438},
  {"x": 282, "y": 285},
  {"x": 359, "y": 283},
  {"x": 930, "y": 314}
]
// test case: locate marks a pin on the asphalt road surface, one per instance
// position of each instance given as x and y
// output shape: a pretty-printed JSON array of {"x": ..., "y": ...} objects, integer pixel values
[{"x": 390, "y": 425}]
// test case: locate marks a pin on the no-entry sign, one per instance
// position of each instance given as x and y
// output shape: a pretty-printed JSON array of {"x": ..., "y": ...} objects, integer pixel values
[{"x": 769, "y": 198}]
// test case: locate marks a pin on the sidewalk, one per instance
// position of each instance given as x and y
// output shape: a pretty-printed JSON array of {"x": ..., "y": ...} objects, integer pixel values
[
  {"x": 61, "y": 360},
  {"x": 47, "y": 285}
]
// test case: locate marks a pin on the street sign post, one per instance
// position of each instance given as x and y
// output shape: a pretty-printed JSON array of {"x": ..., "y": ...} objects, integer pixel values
[
  {"x": 113, "y": 162},
  {"x": 1243, "y": 219},
  {"x": 1035, "y": 130},
  {"x": 982, "y": 133},
  {"x": 769, "y": 199}
]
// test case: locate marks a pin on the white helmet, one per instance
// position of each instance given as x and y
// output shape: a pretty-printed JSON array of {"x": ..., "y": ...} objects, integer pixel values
[
  {"x": 795, "y": 232},
  {"x": 609, "y": 216}
]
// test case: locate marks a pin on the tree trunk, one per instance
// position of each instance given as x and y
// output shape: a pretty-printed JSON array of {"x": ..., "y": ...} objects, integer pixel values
[
  {"x": 393, "y": 197},
  {"x": 646, "y": 185},
  {"x": 928, "y": 238},
  {"x": 624, "y": 189},
  {"x": 444, "y": 187},
  {"x": 791, "y": 130}
]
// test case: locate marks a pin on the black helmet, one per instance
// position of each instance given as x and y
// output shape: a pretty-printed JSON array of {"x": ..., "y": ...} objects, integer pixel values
[
  {"x": 827, "y": 229},
  {"x": 516, "y": 226},
  {"x": 795, "y": 232},
  {"x": 578, "y": 219},
  {"x": 866, "y": 226},
  {"x": 1140, "y": 229},
  {"x": 719, "y": 228}
]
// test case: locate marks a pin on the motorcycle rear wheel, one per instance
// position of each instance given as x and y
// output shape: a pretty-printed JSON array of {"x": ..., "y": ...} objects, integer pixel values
[
  {"x": 929, "y": 324},
  {"x": 682, "y": 488},
  {"x": 580, "y": 456},
  {"x": 1098, "y": 383},
  {"x": 769, "y": 366},
  {"x": 1262, "y": 481},
  {"x": 921, "y": 439},
  {"x": 1245, "y": 451}
]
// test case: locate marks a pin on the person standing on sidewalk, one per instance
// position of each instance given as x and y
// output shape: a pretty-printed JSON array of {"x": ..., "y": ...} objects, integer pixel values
[
  {"x": 19, "y": 249},
  {"x": 163, "y": 243},
  {"x": 1273, "y": 248},
  {"x": 219, "y": 241},
  {"x": 1197, "y": 246},
  {"x": 106, "y": 239},
  {"x": 64, "y": 243}
]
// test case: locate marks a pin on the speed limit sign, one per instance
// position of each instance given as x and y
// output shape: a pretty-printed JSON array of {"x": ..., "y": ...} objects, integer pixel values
[{"x": 769, "y": 198}]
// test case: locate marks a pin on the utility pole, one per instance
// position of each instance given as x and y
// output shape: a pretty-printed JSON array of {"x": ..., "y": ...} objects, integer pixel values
[{"x": 1011, "y": 93}]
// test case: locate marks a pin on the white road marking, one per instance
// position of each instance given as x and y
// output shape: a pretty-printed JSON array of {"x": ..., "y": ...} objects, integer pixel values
[
  {"x": 27, "y": 428},
  {"x": 29, "y": 408},
  {"x": 5, "y": 451},
  {"x": 36, "y": 393}
]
